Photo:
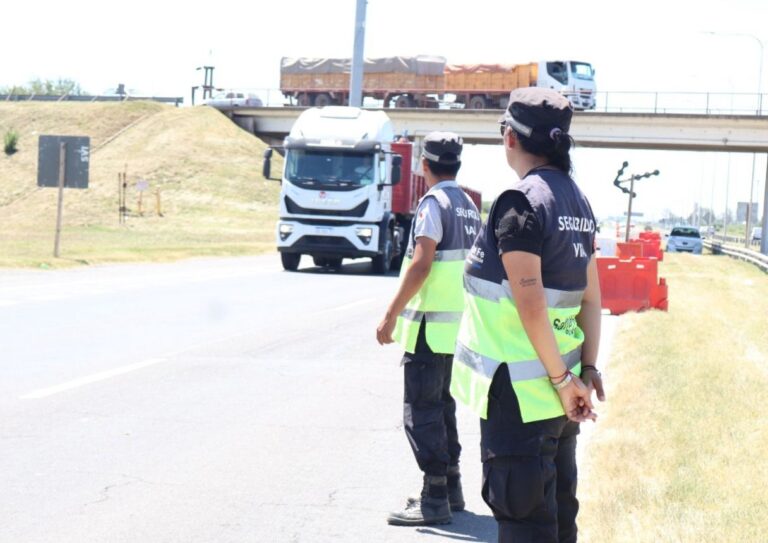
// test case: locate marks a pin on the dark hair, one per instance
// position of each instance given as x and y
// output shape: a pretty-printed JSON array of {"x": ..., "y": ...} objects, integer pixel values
[
  {"x": 443, "y": 170},
  {"x": 555, "y": 146}
]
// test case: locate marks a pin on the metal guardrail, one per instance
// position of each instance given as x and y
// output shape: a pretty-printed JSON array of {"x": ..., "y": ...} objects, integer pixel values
[
  {"x": 175, "y": 100},
  {"x": 651, "y": 102},
  {"x": 759, "y": 260}
]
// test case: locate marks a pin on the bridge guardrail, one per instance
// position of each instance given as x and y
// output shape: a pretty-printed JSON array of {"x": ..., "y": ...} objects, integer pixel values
[
  {"x": 642, "y": 102},
  {"x": 759, "y": 260}
]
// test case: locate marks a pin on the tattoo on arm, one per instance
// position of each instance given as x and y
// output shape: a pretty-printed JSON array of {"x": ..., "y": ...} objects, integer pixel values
[{"x": 529, "y": 282}]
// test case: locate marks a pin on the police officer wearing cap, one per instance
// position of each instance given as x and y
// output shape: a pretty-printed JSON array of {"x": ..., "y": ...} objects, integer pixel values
[
  {"x": 423, "y": 318},
  {"x": 528, "y": 339}
]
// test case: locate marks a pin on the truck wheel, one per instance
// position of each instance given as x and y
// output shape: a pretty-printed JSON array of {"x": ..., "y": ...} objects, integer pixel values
[
  {"x": 320, "y": 261},
  {"x": 290, "y": 261},
  {"x": 403, "y": 101},
  {"x": 302, "y": 100},
  {"x": 476, "y": 102},
  {"x": 334, "y": 263},
  {"x": 383, "y": 262},
  {"x": 323, "y": 99}
]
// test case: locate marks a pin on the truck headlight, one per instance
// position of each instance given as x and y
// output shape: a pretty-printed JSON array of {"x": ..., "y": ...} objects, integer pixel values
[
  {"x": 365, "y": 234},
  {"x": 285, "y": 230}
]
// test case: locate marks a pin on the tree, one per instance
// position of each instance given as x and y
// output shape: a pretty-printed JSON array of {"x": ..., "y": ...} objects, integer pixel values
[{"x": 47, "y": 87}]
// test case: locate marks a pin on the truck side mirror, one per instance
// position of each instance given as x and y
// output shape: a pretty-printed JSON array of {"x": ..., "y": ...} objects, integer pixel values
[
  {"x": 397, "y": 164},
  {"x": 266, "y": 169}
]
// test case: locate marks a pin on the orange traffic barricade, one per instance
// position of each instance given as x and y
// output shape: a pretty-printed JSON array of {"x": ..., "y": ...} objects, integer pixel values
[{"x": 631, "y": 285}]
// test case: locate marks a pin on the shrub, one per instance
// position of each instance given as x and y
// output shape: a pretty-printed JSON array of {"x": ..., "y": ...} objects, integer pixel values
[{"x": 10, "y": 141}]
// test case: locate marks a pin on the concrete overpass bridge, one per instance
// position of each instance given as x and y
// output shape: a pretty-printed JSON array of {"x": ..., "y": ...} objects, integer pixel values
[{"x": 682, "y": 132}]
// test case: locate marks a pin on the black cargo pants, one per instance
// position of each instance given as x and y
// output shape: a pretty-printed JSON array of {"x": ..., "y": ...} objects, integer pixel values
[
  {"x": 429, "y": 410},
  {"x": 529, "y": 470}
]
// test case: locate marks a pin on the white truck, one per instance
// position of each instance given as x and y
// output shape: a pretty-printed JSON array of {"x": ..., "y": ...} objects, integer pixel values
[{"x": 347, "y": 189}]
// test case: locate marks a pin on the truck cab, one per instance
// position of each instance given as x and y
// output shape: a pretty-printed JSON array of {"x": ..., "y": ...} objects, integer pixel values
[
  {"x": 574, "y": 79},
  {"x": 336, "y": 195}
]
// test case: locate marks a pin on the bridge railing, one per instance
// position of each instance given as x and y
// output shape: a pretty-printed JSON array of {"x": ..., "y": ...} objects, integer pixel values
[{"x": 693, "y": 103}]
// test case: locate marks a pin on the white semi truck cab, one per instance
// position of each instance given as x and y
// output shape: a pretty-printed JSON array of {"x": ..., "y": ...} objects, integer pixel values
[
  {"x": 574, "y": 79},
  {"x": 336, "y": 195}
]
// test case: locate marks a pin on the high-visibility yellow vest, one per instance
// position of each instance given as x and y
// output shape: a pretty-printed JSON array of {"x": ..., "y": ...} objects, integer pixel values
[
  {"x": 440, "y": 301},
  {"x": 491, "y": 331}
]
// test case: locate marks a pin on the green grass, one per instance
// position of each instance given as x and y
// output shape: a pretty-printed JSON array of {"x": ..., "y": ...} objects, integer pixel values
[
  {"x": 214, "y": 200},
  {"x": 677, "y": 455}
]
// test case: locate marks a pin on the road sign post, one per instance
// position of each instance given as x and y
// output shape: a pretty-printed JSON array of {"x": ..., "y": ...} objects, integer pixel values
[{"x": 62, "y": 162}]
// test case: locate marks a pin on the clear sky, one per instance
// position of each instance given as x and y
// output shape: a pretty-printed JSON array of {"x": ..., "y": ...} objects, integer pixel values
[{"x": 154, "y": 48}]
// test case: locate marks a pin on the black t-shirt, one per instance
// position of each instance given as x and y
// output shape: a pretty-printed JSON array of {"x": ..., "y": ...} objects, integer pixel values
[{"x": 515, "y": 224}]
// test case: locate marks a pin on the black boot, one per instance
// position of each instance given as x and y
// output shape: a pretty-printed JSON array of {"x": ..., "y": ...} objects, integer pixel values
[
  {"x": 455, "y": 495},
  {"x": 430, "y": 508}
]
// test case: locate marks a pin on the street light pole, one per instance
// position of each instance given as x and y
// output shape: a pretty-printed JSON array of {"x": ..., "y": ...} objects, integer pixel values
[
  {"x": 356, "y": 77},
  {"x": 748, "y": 226}
]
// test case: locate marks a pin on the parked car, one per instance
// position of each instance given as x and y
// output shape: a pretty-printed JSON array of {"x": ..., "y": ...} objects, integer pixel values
[
  {"x": 757, "y": 234},
  {"x": 684, "y": 239},
  {"x": 230, "y": 98}
]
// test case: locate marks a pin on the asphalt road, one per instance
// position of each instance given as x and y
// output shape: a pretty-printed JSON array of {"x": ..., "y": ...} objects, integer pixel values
[{"x": 207, "y": 401}]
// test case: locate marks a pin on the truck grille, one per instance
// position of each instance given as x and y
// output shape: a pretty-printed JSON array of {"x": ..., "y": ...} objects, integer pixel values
[{"x": 296, "y": 209}]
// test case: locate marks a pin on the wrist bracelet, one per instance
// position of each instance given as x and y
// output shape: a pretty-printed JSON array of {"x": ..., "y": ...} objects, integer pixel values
[
  {"x": 590, "y": 367},
  {"x": 564, "y": 383}
]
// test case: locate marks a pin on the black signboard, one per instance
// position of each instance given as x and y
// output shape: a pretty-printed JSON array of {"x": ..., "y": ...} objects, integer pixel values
[{"x": 77, "y": 157}]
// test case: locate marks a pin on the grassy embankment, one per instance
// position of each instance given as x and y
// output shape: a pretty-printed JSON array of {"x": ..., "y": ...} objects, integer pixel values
[
  {"x": 679, "y": 454},
  {"x": 214, "y": 200}
]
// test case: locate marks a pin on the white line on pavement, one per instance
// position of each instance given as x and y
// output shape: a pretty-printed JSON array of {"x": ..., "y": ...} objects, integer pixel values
[
  {"x": 104, "y": 375},
  {"x": 88, "y": 379}
]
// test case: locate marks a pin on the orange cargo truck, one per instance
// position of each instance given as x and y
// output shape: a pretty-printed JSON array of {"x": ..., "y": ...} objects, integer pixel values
[{"x": 427, "y": 81}]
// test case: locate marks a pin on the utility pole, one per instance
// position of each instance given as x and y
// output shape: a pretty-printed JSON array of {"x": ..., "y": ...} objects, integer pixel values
[{"x": 356, "y": 77}]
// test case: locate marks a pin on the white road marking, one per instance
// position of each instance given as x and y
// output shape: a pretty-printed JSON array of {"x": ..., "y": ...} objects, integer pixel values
[
  {"x": 88, "y": 379},
  {"x": 104, "y": 375}
]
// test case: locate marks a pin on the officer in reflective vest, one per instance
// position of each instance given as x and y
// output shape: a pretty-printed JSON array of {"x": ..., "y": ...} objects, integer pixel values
[
  {"x": 527, "y": 345},
  {"x": 424, "y": 319}
]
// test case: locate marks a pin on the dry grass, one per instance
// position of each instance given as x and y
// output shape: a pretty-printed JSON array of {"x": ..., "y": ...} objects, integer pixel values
[
  {"x": 208, "y": 171},
  {"x": 679, "y": 453}
]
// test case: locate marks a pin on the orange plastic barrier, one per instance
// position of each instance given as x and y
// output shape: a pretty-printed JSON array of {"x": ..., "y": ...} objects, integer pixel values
[
  {"x": 651, "y": 246},
  {"x": 631, "y": 285},
  {"x": 628, "y": 250}
]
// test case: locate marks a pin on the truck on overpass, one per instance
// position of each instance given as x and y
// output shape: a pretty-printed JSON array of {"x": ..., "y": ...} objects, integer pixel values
[{"x": 428, "y": 81}]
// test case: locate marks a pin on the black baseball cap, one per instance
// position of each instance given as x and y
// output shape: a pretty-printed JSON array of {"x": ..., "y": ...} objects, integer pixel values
[
  {"x": 442, "y": 147},
  {"x": 534, "y": 112}
]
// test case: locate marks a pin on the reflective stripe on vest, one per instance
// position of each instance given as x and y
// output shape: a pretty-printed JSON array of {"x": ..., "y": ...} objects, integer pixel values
[
  {"x": 440, "y": 299},
  {"x": 494, "y": 292}
]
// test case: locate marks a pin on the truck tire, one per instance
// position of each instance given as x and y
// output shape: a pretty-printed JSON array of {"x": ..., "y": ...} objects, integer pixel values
[
  {"x": 290, "y": 261},
  {"x": 319, "y": 261},
  {"x": 403, "y": 100},
  {"x": 383, "y": 262},
  {"x": 334, "y": 263},
  {"x": 323, "y": 99},
  {"x": 303, "y": 100},
  {"x": 477, "y": 102}
]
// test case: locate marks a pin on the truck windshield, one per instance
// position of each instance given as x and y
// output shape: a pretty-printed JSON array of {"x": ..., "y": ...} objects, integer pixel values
[
  {"x": 582, "y": 70},
  {"x": 341, "y": 170}
]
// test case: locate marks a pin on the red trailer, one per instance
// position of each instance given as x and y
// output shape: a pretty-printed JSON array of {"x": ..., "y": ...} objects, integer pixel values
[{"x": 412, "y": 186}]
